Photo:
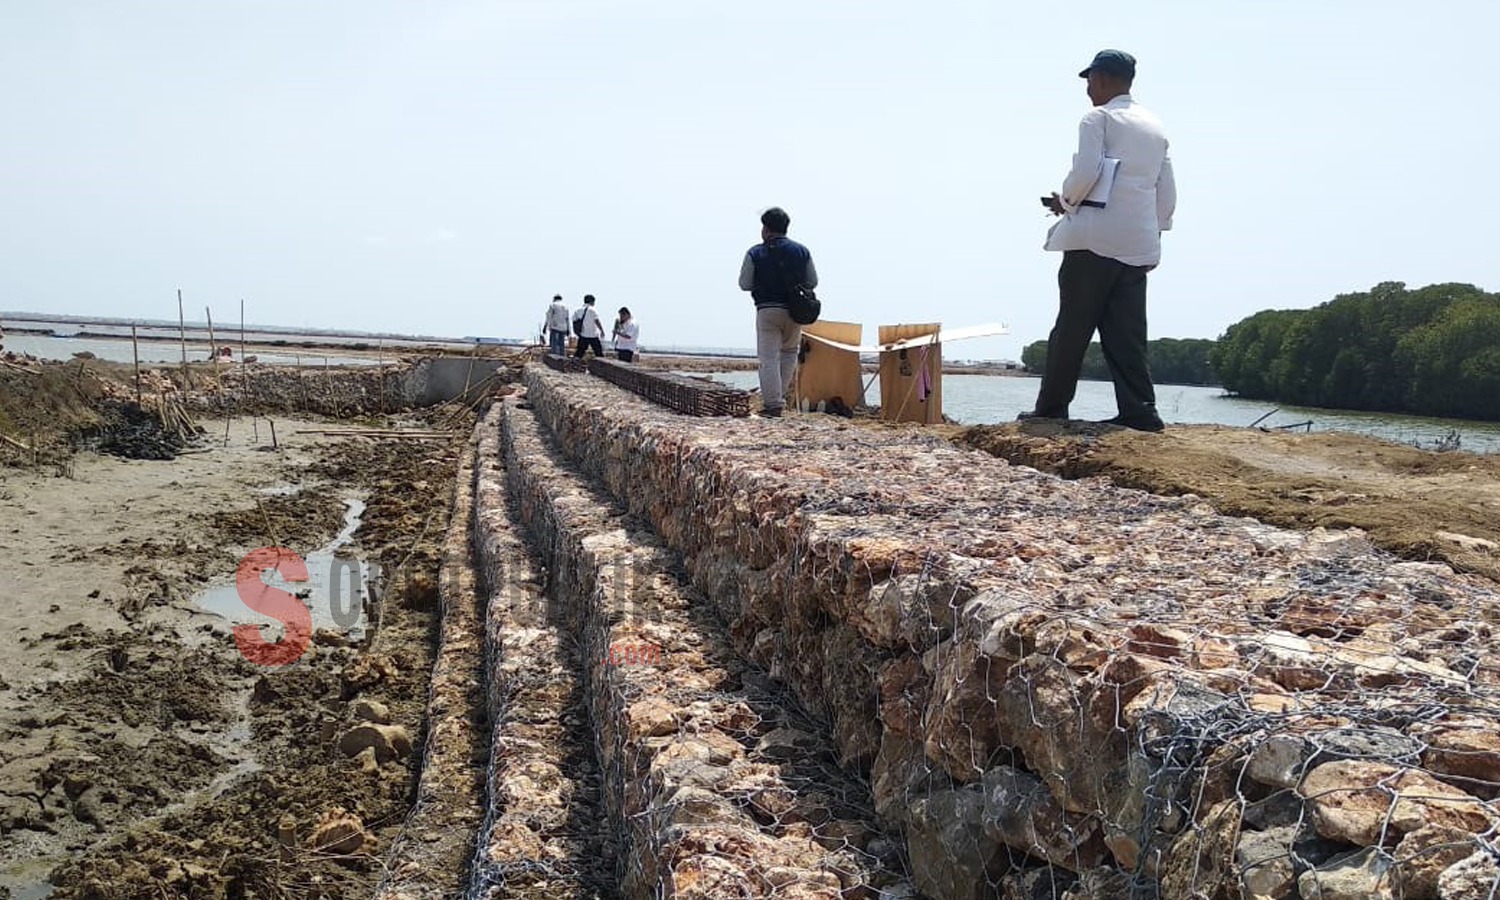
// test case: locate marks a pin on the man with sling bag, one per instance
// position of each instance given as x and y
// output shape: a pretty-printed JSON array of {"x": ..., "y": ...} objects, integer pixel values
[{"x": 770, "y": 273}]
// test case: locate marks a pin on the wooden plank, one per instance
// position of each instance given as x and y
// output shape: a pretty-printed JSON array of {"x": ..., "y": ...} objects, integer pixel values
[
  {"x": 828, "y": 372},
  {"x": 901, "y": 399},
  {"x": 954, "y": 334}
]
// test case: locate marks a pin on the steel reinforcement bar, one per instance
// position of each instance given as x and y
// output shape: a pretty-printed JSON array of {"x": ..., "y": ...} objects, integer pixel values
[{"x": 693, "y": 396}]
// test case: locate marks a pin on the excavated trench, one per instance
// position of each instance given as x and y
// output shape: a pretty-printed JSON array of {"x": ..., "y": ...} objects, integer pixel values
[{"x": 806, "y": 658}]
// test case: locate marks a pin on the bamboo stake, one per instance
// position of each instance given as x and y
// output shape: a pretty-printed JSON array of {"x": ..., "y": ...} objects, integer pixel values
[
  {"x": 182, "y": 335},
  {"x": 302, "y": 382},
  {"x": 244, "y": 374},
  {"x": 274, "y": 445},
  {"x": 469, "y": 375},
  {"x": 333, "y": 400},
  {"x": 213, "y": 349},
  {"x": 135, "y": 352}
]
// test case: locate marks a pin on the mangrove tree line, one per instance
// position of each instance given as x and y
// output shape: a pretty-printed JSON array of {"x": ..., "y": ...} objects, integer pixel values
[
  {"x": 1173, "y": 360},
  {"x": 1430, "y": 351}
]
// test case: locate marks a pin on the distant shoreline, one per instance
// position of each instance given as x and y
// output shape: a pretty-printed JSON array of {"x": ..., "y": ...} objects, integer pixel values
[{"x": 289, "y": 340}]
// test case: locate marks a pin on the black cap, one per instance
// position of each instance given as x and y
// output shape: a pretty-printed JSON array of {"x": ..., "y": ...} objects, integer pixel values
[{"x": 1111, "y": 62}]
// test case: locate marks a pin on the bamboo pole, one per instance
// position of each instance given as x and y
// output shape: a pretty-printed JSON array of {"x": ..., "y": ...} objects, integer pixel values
[
  {"x": 301, "y": 381},
  {"x": 333, "y": 395},
  {"x": 135, "y": 352},
  {"x": 274, "y": 445},
  {"x": 182, "y": 336},
  {"x": 213, "y": 349},
  {"x": 244, "y": 373}
]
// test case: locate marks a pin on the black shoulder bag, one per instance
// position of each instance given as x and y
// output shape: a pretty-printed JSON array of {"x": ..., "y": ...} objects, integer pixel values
[{"x": 803, "y": 304}]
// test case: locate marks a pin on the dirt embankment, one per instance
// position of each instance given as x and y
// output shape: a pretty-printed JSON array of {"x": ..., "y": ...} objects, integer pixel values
[
  {"x": 140, "y": 754},
  {"x": 1417, "y": 504}
]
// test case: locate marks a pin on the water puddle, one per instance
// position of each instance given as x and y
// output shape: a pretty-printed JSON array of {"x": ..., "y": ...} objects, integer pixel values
[
  {"x": 336, "y": 592},
  {"x": 30, "y": 885}
]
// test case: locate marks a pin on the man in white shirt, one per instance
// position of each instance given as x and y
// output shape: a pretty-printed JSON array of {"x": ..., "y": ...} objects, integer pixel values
[
  {"x": 557, "y": 327},
  {"x": 591, "y": 330},
  {"x": 1115, "y": 203}
]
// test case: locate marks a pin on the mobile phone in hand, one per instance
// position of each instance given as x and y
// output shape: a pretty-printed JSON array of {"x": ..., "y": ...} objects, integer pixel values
[{"x": 1047, "y": 202}]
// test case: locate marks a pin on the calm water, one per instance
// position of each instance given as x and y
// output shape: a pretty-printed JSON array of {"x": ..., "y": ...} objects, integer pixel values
[
  {"x": 971, "y": 399},
  {"x": 987, "y": 399},
  {"x": 158, "y": 352}
]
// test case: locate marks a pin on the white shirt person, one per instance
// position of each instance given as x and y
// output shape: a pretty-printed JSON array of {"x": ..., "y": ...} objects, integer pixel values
[
  {"x": 1142, "y": 198},
  {"x": 1116, "y": 200},
  {"x": 626, "y": 333}
]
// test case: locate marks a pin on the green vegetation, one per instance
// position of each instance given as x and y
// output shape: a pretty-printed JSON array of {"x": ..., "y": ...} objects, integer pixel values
[
  {"x": 1430, "y": 351},
  {"x": 1173, "y": 361}
]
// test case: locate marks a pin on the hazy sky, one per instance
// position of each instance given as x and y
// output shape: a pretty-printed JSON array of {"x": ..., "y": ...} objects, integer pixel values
[{"x": 445, "y": 167}]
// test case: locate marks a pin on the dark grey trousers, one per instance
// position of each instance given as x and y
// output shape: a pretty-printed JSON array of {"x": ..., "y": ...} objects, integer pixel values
[{"x": 1103, "y": 294}]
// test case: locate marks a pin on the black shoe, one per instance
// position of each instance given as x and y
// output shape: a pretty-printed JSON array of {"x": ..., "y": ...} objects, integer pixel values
[
  {"x": 773, "y": 412},
  {"x": 1031, "y": 414},
  {"x": 1152, "y": 424}
]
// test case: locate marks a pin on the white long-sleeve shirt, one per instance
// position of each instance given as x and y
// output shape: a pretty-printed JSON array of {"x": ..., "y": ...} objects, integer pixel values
[
  {"x": 1144, "y": 195},
  {"x": 557, "y": 316},
  {"x": 626, "y": 334}
]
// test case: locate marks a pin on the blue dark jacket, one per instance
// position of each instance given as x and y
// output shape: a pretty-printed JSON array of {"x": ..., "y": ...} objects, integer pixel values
[{"x": 773, "y": 283}]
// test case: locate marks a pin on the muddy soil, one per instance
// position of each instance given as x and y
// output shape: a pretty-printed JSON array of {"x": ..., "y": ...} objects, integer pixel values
[
  {"x": 140, "y": 754},
  {"x": 1418, "y": 504}
]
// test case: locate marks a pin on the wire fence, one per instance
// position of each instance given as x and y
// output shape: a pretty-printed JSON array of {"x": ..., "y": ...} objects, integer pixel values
[{"x": 1050, "y": 689}]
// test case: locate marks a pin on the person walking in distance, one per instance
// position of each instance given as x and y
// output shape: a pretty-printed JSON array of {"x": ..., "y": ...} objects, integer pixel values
[
  {"x": 1115, "y": 202},
  {"x": 557, "y": 326},
  {"x": 770, "y": 270},
  {"x": 589, "y": 329},
  {"x": 625, "y": 332}
]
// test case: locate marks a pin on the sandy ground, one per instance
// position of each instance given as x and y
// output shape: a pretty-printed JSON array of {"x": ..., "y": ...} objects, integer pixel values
[
  {"x": 136, "y": 745},
  {"x": 1418, "y": 504}
]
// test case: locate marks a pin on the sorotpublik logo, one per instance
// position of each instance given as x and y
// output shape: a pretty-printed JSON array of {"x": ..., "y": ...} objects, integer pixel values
[
  {"x": 633, "y": 597},
  {"x": 286, "y": 607}
]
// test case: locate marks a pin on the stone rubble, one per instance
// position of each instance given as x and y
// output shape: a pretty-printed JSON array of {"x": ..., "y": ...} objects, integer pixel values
[
  {"x": 1039, "y": 675},
  {"x": 426, "y": 860},
  {"x": 543, "y": 830},
  {"x": 718, "y": 788}
]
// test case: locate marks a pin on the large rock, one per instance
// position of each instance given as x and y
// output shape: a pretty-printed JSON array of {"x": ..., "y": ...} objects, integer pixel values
[
  {"x": 1475, "y": 877},
  {"x": 1360, "y": 875},
  {"x": 1422, "y": 856},
  {"x": 952, "y": 858},
  {"x": 1020, "y": 812},
  {"x": 901, "y": 775},
  {"x": 1264, "y": 859},
  {"x": 911, "y": 612},
  {"x": 338, "y": 831},
  {"x": 1466, "y": 748},
  {"x": 388, "y": 741},
  {"x": 1365, "y": 803},
  {"x": 961, "y": 727}
]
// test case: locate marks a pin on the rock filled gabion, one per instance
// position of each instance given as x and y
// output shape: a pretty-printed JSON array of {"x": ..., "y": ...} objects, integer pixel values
[
  {"x": 544, "y": 833},
  {"x": 334, "y": 391},
  {"x": 693, "y": 396},
  {"x": 715, "y": 785},
  {"x": 426, "y": 858},
  {"x": 1067, "y": 689}
]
